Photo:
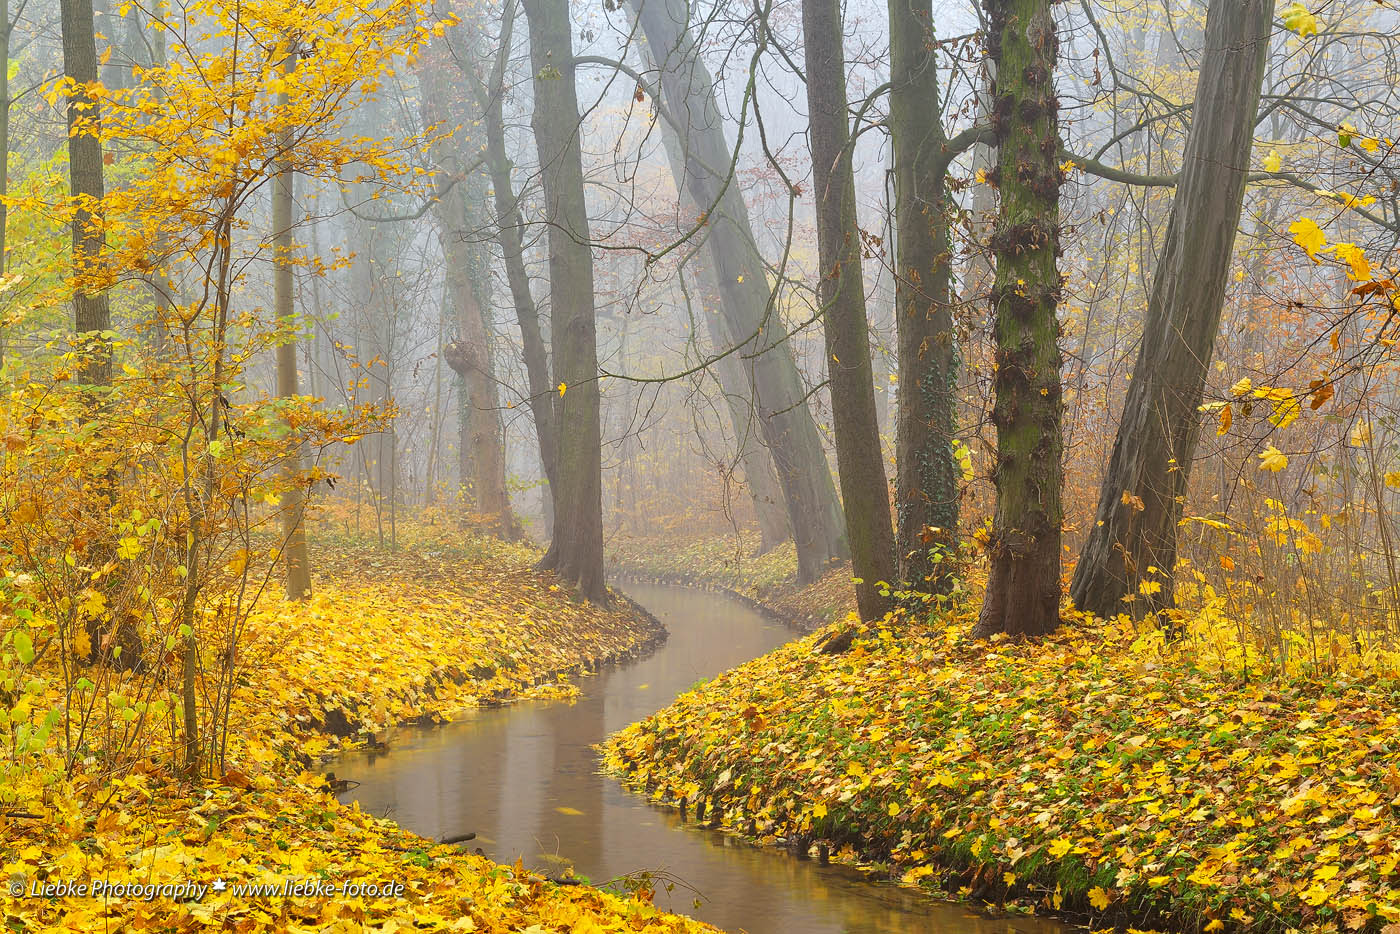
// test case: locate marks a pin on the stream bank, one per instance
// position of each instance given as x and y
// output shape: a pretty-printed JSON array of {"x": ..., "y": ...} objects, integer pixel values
[{"x": 525, "y": 779}]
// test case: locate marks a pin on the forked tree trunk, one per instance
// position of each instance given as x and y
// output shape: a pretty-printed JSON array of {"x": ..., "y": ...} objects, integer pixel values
[
  {"x": 508, "y": 225},
  {"x": 576, "y": 552},
  {"x": 1128, "y": 561},
  {"x": 296, "y": 559},
  {"x": 860, "y": 461},
  {"x": 926, "y": 476},
  {"x": 1023, "y": 586},
  {"x": 746, "y": 301},
  {"x": 445, "y": 106}
]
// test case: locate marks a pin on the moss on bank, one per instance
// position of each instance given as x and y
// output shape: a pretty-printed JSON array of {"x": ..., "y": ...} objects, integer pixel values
[{"x": 1099, "y": 774}]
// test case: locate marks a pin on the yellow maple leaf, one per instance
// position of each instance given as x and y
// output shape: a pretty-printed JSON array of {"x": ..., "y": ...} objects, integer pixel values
[
  {"x": 1297, "y": 18},
  {"x": 1355, "y": 257},
  {"x": 1272, "y": 162},
  {"x": 1272, "y": 459},
  {"x": 1099, "y": 898},
  {"x": 1308, "y": 235}
]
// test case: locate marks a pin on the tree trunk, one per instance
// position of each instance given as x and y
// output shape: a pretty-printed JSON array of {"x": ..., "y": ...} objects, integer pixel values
[
  {"x": 1023, "y": 586},
  {"x": 841, "y": 291},
  {"x": 294, "y": 553},
  {"x": 470, "y": 357},
  {"x": 1129, "y": 558},
  {"x": 762, "y": 484},
  {"x": 746, "y": 300},
  {"x": 926, "y": 477},
  {"x": 576, "y": 552},
  {"x": 542, "y": 392},
  {"x": 5, "y": 31},
  {"x": 764, "y": 490},
  {"x": 445, "y": 103},
  {"x": 91, "y": 312}
]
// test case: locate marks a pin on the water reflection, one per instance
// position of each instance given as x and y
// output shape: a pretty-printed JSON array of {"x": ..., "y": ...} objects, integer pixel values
[{"x": 525, "y": 779}]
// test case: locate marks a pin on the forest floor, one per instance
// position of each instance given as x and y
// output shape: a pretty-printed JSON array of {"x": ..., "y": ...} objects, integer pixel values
[
  {"x": 1101, "y": 774},
  {"x": 730, "y": 562},
  {"x": 471, "y": 626}
]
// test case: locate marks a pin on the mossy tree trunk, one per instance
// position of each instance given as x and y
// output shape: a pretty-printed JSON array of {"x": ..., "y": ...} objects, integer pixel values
[
  {"x": 1128, "y": 561},
  {"x": 860, "y": 462},
  {"x": 1023, "y": 586},
  {"x": 576, "y": 551},
  {"x": 926, "y": 475}
]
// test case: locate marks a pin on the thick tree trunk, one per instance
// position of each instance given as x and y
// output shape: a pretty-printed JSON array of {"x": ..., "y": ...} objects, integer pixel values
[
  {"x": 746, "y": 301},
  {"x": 576, "y": 552},
  {"x": 1128, "y": 561},
  {"x": 91, "y": 312},
  {"x": 297, "y": 560},
  {"x": 542, "y": 393},
  {"x": 841, "y": 291},
  {"x": 926, "y": 477},
  {"x": 1023, "y": 586}
]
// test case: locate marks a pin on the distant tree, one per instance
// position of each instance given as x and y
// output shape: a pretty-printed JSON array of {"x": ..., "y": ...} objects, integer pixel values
[
  {"x": 860, "y": 460},
  {"x": 1023, "y": 586},
  {"x": 296, "y": 558},
  {"x": 91, "y": 311},
  {"x": 459, "y": 212},
  {"x": 708, "y": 186},
  {"x": 543, "y": 398}
]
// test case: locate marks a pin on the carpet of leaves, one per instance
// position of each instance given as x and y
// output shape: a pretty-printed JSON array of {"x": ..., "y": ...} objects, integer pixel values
[
  {"x": 1099, "y": 774},
  {"x": 731, "y": 563},
  {"x": 389, "y": 637}
]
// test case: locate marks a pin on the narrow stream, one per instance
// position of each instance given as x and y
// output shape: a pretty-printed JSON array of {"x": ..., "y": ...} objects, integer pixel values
[{"x": 525, "y": 779}]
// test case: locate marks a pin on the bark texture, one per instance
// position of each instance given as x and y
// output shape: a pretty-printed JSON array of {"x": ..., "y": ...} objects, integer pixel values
[
  {"x": 1023, "y": 586},
  {"x": 707, "y": 186},
  {"x": 576, "y": 551},
  {"x": 1128, "y": 561},
  {"x": 926, "y": 475},
  {"x": 91, "y": 312},
  {"x": 860, "y": 461}
]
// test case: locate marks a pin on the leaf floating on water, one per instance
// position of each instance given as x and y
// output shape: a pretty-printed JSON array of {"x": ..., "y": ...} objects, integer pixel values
[{"x": 570, "y": 812}]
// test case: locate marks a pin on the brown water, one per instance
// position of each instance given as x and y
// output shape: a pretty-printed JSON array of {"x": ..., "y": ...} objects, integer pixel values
[{"x": 525, "y": 779}]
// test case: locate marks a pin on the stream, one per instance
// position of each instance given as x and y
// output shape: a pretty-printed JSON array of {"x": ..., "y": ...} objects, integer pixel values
[{"x": 525, "y": 779}]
